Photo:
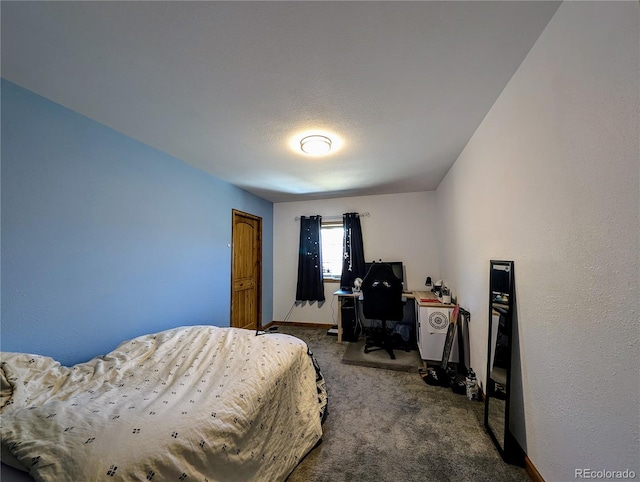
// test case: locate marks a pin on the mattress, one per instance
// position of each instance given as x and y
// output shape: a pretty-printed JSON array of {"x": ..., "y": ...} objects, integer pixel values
[{"x": 191, "y": 403}]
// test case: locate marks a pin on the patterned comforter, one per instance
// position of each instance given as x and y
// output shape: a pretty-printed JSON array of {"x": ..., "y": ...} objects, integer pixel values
[{"x": 193, "y": 403}]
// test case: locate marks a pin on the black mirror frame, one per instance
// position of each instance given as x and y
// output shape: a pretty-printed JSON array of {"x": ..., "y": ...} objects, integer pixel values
[{"x": 510, "y": 451}]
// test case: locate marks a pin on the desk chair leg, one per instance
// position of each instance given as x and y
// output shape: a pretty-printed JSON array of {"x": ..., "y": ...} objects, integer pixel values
[
  {"x": 389, "y": 350},
  {"x": 385, "y": 343}
]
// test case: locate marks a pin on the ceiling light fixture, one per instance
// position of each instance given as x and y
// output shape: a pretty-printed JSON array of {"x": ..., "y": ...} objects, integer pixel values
[{"x": 315, "y": 145}]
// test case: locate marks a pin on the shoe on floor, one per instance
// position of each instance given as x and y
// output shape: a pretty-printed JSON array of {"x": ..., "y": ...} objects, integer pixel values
[{"x": 434, "y": 376}]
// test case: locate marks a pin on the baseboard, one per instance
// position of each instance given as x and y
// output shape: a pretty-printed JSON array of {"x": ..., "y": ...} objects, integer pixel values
[
  {"x": 532, "y": 471},
  {"x": 298, "y": 323}
]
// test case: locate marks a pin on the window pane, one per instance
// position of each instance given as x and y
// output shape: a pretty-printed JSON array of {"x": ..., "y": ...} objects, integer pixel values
[{"x": 332, "y": 251}]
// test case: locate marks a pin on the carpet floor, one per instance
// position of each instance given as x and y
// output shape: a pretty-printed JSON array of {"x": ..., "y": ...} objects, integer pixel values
[{"x": 388, "y": 425}]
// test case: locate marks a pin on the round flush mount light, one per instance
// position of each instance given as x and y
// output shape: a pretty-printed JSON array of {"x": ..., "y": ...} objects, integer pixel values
[{"x": 315, "y": 145}]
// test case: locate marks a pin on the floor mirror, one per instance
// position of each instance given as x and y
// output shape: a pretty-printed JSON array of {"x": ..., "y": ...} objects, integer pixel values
[{"x": 497, "y": 388}]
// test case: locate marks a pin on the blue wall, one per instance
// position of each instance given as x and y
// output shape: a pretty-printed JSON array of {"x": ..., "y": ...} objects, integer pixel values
[{"x": 105, "y": 238}]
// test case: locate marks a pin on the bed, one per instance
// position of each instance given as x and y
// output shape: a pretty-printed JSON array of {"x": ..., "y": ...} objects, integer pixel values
[{"x": 193, "y": 403}]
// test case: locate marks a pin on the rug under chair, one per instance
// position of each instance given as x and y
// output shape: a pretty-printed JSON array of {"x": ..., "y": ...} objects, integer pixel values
[{"x": 405, "y": 361}]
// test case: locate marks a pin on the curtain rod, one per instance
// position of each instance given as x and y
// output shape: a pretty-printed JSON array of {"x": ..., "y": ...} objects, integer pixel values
[{"x": 360, "y": 215}]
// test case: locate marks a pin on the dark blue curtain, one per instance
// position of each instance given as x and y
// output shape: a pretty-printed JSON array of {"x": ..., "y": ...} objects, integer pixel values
[
  {"x": 310, "y": 286},
  {"x": 353, "y": 250}
]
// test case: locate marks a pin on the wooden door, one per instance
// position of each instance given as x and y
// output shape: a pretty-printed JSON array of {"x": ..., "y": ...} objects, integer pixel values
[{"x": 246, "y": 271}]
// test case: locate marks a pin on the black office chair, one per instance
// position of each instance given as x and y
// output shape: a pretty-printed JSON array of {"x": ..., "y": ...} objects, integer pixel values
[{"x": 381, "y": 300}]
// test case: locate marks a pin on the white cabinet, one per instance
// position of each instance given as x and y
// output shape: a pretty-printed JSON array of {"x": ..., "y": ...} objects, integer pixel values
[{"x": 433, "y": 323}]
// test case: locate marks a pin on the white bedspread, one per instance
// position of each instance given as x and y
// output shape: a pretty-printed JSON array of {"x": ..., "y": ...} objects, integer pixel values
[{"x": 193, "y": 403}]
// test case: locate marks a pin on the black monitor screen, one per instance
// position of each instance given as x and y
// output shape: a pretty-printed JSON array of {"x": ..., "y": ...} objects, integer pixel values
[
  {"x": 396, "y": 266},
  {"x": 500, "y": 280}
]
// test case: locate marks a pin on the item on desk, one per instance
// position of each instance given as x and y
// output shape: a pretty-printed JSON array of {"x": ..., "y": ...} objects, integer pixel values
[
  {"x": 428, "y": 283},
  {"x": 437, "y": 288},
  {"x": 446, "y": 296},
  {"x": 357, "y": 283},
  {"x": 501, "y": 298}
]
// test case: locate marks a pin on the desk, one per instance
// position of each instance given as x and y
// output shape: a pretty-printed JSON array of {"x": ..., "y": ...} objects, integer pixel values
[
  {"x": 430, "y": 340},
  {"x": 433, "y": 320},
  {"x": 343, "y": 295}
]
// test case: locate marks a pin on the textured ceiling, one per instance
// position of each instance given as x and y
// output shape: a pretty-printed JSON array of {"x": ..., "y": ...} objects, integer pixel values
[{"x": 227, "y": 86}]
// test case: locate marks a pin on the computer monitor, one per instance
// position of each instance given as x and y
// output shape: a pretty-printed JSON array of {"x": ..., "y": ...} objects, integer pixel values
[
  {"x": 499, "y": 280},
  {"x": 396, "y": 266}
]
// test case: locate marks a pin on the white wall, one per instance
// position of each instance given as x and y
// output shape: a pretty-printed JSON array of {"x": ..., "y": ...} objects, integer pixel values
[
  {"x": 550, "y": 180},
  {"x": 401, "y": 227}
]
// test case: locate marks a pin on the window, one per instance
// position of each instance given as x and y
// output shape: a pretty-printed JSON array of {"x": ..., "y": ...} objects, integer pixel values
[{"x": 332, "y": 237}]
